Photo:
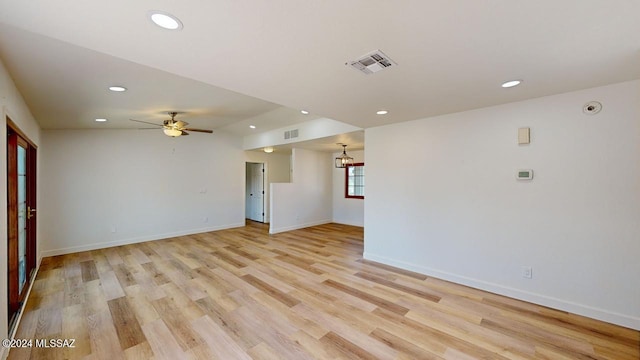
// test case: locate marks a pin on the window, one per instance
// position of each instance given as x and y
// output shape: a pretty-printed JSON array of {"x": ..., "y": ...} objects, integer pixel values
[{"x": 354, "y": 181}]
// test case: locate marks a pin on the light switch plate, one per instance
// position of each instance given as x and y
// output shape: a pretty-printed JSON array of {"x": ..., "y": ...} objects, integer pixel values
[{"x": 523, "y": 135}]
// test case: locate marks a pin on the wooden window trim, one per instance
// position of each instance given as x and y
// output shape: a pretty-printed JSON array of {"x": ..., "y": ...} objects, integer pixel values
[{"x": 346, "y": 182}]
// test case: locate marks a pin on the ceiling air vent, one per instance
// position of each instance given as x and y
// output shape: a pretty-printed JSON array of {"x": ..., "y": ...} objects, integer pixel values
[
  {"x": 372, "y": 62},
  {"x": 290, "y": 134}
]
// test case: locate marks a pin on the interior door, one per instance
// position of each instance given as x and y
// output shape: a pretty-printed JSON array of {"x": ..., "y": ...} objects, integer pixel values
[
  {"x": 21, "y": 210},
  {"x": 255, "y": 191}
]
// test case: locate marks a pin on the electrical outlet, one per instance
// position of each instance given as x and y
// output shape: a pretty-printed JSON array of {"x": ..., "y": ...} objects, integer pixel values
[
  {"x": 527, "y": 272},
  {"x": 113, "y": 229},
  {"x": 205, "y": 219}
]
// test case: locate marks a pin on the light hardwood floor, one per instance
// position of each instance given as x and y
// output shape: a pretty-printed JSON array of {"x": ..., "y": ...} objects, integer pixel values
[{"x": 305, "y": 294}]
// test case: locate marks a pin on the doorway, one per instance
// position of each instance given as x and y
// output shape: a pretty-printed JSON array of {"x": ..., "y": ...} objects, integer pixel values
[
  {"x": 254, "y": 208},
  {"x": 21, "y": 214}
]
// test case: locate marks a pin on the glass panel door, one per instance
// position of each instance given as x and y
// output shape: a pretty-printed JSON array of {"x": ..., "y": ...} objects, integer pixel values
[
  {"x": 21, "y": 219},
  {"x": 22, "y": 216}
]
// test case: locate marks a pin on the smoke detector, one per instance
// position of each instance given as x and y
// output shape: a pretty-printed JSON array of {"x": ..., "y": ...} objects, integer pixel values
[
  {"x": 592, "y": 108},
  {"x": 372, "y": 62}
]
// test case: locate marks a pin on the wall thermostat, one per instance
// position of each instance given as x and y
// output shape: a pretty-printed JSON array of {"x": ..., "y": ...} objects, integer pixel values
[{"x": 524, "y": 174}]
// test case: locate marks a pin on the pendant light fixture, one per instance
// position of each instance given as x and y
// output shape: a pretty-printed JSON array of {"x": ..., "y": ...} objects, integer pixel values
[{"x": 343, "y": 160}]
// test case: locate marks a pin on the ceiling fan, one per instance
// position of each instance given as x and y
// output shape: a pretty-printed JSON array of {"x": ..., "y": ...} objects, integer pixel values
[{"x": 173, "y": 127}]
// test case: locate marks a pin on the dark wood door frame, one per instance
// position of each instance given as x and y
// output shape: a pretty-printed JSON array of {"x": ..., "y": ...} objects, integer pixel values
[{"x": 16, "y": 297}]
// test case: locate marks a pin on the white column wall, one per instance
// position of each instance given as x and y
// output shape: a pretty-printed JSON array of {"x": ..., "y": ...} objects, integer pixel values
[{"x": 306, "y": 201}]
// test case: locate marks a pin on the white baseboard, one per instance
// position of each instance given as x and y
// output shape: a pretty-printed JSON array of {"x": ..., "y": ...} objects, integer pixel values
[
  {"x": 273, "y": 230},
  {"x": 108, "y": 244},
  {"x": 348, "y": 223},
  {"x": 560, "y": 304}
]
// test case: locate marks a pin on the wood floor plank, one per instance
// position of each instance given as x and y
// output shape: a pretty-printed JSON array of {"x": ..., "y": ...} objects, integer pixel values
[
  {"x": 402, "y": 346},
  {"x": 111, "y": 286},
  {"x": 305, "y": 294},
  {"x": 163, "y": 344},
  {"x": 173, "y": 317},
  {"x": 26, "y": 330},
  {"x": 219, "y": 342},
  {"x": 346, "y": 347},
  {"x": 393, "y": 285},
  {"x": 158, "y": 277},
  {"x": 270, "y": 290},
  {"x": 263, "y": 351},
  {"x": 88, "y": 270},
  {"x": 74, "y": 291},
  {"x": 319, "y": 349},
  {"x": 125, "y": 277},
  {"x": 345, "y": 330},
  {"x": 239, "y": 332},
  {"x": 385, "y": 304},
  {"x": 74, "y": 326},
  {"x": 141, "y": 306},
  {"x": 125, "y": 322},
  {"x": 140, "y": 351},
  {"x": 104, "y": 339}
]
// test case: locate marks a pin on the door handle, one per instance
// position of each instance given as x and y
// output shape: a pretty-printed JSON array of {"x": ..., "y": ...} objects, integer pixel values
[{"x": 30, "y": 212}]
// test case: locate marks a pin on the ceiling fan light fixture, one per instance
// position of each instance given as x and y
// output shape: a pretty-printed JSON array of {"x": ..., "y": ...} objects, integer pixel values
[
  {"x": 165, "y": 20},
  {"x": 172, "y": 132},
  {"x": 343, "y": 160},
  {"x": 174, "y": 128},
  {"x": 268, "y": 149}
]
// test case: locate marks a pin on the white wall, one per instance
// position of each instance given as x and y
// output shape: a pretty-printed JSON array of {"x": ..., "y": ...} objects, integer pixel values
[
  {"x": 278, "y": 170},
  {"x": 347, "y": 211},
  {"x": 13, "y": 105},
  {"x": 450, "y": 206},
  {"x": 111, "y": 187},
  {"x": 306, "y": 201}
]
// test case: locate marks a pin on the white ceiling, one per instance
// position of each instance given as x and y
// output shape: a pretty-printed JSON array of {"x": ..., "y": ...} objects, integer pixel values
[
  {"x": 452, "y": 56},
  {"x": 66, "y": 87}
]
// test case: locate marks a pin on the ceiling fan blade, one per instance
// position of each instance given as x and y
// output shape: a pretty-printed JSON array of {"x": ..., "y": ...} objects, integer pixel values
[
  {"x": 146, "y": 122},
  {"x": 201, "y": 130}
]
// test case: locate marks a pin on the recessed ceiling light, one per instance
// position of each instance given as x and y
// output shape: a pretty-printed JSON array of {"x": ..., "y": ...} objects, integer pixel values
[
  {"x": 252, "y": 126},
  {"x": 511, "y": 83},
  {"x": 382, "y": 112},
  {"x": 117, "y": 88},
  {"x": 165, "y": 20},
  {"x": 305, "y": 112},
  {"x": 101, "y": 120}
]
